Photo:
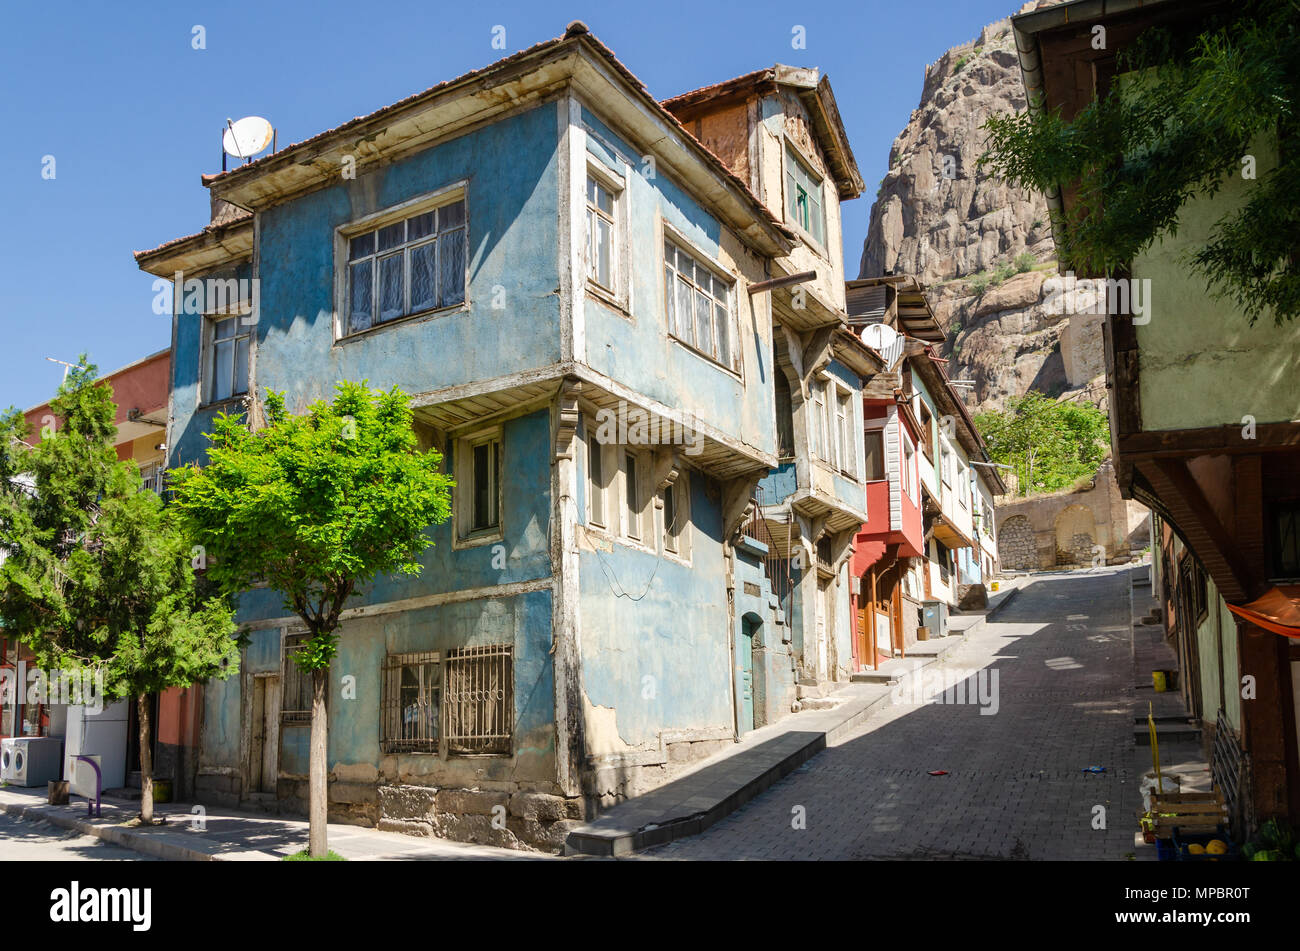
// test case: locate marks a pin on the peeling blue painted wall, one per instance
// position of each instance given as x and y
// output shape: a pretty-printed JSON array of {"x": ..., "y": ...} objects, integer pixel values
[
  {"x": 645, "y": 615},
  {"x": 635, "y": 349}
]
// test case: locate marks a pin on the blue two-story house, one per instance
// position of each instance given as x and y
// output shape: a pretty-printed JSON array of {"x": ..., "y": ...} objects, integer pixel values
[{"x": 587, "y": 307}]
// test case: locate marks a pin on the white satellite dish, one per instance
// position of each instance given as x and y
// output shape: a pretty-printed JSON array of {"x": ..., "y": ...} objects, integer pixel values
[
  {"x": 886, "y": 341},
  {"x": 247, "y": 137}
]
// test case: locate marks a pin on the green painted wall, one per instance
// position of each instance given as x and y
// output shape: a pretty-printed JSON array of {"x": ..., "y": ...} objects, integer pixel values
[{"x": 1201, "y": 364}]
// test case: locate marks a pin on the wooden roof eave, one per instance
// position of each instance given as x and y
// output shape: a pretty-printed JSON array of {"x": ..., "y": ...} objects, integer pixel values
[
  {"x": 212, "y": 247},
  {"x": 397, "y": 131}
]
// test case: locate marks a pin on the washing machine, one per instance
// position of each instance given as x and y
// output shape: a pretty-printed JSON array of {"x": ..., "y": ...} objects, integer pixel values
[{"x": 31, "y": 760}]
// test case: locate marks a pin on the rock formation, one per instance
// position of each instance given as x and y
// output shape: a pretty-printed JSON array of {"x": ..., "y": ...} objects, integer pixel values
[{"x": 983, "y": 247}]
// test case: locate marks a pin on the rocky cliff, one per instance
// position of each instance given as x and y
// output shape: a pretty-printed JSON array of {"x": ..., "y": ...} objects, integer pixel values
[{"x": 982, "y": 247}]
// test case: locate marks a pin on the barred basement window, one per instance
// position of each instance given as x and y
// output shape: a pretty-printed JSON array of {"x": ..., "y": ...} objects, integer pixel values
[
  {"x": 411, "y": 701},
  {"x": 479, "y": 702},
  {"x": 295, "y": 696}
]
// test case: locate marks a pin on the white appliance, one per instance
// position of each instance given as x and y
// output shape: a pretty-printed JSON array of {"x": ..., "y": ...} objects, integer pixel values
[
  {"x": 31, "y": 760},
  {"x": 99, "y": 735}
]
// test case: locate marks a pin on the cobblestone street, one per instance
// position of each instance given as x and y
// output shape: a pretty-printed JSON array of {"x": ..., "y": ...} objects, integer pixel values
[{"x": 1016, "y": 786}]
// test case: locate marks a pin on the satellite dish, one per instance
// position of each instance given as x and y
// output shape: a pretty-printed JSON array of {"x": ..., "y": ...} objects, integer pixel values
[
  {"x": 886, "y": 341},
  {"x": 247, "y": 137}
]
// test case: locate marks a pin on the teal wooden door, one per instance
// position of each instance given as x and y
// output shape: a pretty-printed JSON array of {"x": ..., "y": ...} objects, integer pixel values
[{"x": 745, "y": 667}]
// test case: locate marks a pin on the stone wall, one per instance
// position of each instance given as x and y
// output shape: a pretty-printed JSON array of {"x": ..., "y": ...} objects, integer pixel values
[{"x": 1081, "y": 528}]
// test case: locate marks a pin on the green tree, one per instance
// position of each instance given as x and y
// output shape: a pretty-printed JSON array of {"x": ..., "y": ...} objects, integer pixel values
[
  {"x": 97, "y": 573},
  {"x": 1193, "y": 104},
  {"x": 315, "y": 505},
  {"x": 1050, "y": 445}
]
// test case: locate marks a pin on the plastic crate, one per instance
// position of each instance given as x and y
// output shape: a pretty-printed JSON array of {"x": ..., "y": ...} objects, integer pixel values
[
  {"x": 1165, "y": 851},
  {"x": 1182, "y": 840}
]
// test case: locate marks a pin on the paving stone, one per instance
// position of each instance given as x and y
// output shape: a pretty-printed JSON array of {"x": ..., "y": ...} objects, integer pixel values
[{"x": 1015, "y": 787}]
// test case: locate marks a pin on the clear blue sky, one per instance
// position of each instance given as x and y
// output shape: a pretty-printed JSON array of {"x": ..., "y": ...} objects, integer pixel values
[{"x": 133, "y": 115}]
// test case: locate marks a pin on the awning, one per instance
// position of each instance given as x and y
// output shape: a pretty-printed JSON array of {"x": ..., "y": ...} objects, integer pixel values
[{"x": 1276, "y": 610}]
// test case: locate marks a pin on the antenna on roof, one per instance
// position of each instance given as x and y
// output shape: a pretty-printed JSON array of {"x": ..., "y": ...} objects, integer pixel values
[
  {"x": 245, "y": 138},
  {"x": 66, "y": 366}
]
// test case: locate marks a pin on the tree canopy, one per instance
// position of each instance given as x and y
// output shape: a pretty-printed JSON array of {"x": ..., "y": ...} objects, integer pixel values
[
  {"x": 1050, "y": 445},
  {"x": 97, "y": 572},
  {"x": 315, "y": 505},
  {"x": 1195, "y": 102}
]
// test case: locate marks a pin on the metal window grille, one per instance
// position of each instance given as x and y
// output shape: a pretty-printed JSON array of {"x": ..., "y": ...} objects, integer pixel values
[
  {"x": 411, "y": 699},
  {"x": 296, "y": 692},
  {"x": 479, "y": 701}
]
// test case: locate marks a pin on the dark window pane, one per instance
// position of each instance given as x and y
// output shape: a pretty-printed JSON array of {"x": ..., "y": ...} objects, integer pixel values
[
  {"x": 633, "y": 499},
  {"x": 392, "y": 236},
  {"x": 451, "y": 216},
  {"x": 241, "y": 366},
  {"x": 482, "y": 487},
  {"x": 596, "y": 480},
  {"x": 222, "y": 369},
  {"x": 361, "y": 295},
  {"x": 419, "y": 226},
  {"x": 362, "y": 245},
  {"x": 670, "y": 518},
  {"x": 670, "y": 302},
  {"x": 424, "y": 276},
  {"x": 723, "y": 331},
  {"x": 390, "y": 287},
  {"x": 685, "y": 307},
  {"x": 703, "y": 323},
  {"x": 451, "y": 268}
]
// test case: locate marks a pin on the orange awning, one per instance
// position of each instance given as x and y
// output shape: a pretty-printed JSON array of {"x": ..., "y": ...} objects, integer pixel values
[{"x": 1276, "y": 610}]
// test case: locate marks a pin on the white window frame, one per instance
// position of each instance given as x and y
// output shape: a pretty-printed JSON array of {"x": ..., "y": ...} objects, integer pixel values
[
  {"x": 632, "y": 504},
  {"x": 821, "y": 437},
  {"x": 243, "y": 332},
  {"x": 844, "y": 420},
  {"x": 677, "y": 542},
  {"x": 617, "y": 289},
  {"x": 465, "y": 534},
  {"x": 598, "y": 493},
  {"x": 422, "y": 204},
  {"x": 670, "y": 275}
]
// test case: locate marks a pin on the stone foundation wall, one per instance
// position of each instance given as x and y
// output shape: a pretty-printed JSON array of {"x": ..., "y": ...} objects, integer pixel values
[
  {"x": 529, "y": 821},
  {"x": 1062, "y": 529}
]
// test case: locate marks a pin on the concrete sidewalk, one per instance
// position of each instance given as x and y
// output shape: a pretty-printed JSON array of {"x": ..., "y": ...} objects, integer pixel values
[
  {"x": 225, "y": 835},
  {"x": 720, "y": 785}
]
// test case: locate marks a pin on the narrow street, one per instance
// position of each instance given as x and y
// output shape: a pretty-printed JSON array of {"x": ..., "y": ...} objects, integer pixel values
[{"x": 1016, "y": 786}]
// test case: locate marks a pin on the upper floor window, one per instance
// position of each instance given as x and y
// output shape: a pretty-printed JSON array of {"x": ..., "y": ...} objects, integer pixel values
[
  {"x": 844, "y": 426},
  {"x": 407, "y": 266},
  {"x": 227, "y": 362},
  {"x": 698, "y": 305},
  {"x": 909, "y": 460},
  {"x": 478, "y": 486},
  {"x": 874, "y": 441},
  {"x": 600, "y": 233},
  {"x": 803, "y": 197}
]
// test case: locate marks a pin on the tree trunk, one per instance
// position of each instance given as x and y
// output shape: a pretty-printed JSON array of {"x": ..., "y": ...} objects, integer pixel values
[
  {"x": 146, "y": 762},
  {"x": 318, "y": 788}
]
